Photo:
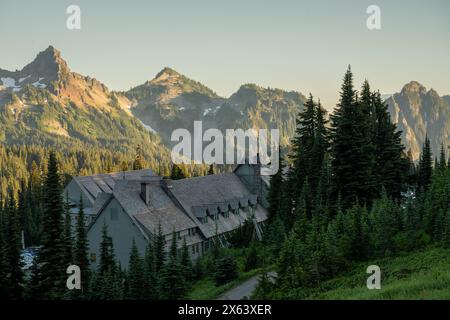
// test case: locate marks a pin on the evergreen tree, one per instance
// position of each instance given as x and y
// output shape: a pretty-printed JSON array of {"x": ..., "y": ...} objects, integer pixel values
[
  {"x": 425, "y": 166},
  {"x": 135, "y": 275},
  {"x": 412, "y": 178},
  {"x": 274, "y": 196},
  {"x": 173, "y": 253},
  {"x": 252, "y": 259},
  {"x": 225, "y": 270},
  {"x": 442, "y": 161},
  {"x": 138, "y": 163},
  {"x": 50, "y": 269},
  {"x": 352, "y": 160},
  {"x": 107, "y": 257},
  {"x": 159, "y": 248},
  {"x": 185, "y": 261},
  {"x": 174, "y": 283},
  {"x": 81, "y": 247},
  {"x": 177, "y": 172},
  {"x": 211, "y": 169},
  {"x": 150, "y": 284},
  {"x": 390, "y": 168},
  {"x": 320, "y": 147},
  {"x": 302, "y": 145},
  {"x": 67, "y": 238},
  {"x": 14, "y": 280}
]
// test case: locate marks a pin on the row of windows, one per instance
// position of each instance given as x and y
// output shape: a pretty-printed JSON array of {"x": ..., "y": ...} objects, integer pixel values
[{"x": 215, "y": 217}]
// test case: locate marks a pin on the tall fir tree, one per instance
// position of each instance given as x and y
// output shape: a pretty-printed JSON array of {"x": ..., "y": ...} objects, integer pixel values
[
  {"x": 136, "y": 285},
  {"x": 107, "y": 257},
  {"x": 302, "y": 145},
  {"x": 185, "y": 261},
  {"x": 177, "y": 172},
  {"x": 274, "y": 196},
  {"x": 150, "y": 278},
  {"x": 159, "y": 248},
  {"x": 442, "y": 161},
  {"x": 173, "y": 285},
  {"x": 138, "y": 163},
  {"x": 351, "y": 139},
  {"x": 67, "y": 240},
  {"x": 49, "y": 274},
  {"x": 320, "y": 147},
  {"x": 425, "y": 166},
  {"x": 14, "y": 280},
  {"x": 81, "y": 248},
  {"x": 391, "y": 169}
]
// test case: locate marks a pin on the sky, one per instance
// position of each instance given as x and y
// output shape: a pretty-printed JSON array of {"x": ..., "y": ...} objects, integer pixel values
[{"x": 293, "y": 45}]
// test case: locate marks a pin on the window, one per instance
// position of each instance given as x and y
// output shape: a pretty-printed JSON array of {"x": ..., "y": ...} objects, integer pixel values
[
  {"x": 195, "y": 248},
  {"x": 114, "y": 214}
]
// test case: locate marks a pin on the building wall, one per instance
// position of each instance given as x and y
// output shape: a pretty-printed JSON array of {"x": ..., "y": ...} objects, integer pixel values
[
  {"x": 74, "y": 191},
  {"x": 121, "y": 228}
]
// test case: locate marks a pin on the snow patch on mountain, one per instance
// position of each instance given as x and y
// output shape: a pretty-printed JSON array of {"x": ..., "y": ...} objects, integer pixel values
[
  {"x": 208, "y": 110},
  {"x": 38, "y": 84},
  {"x": 23, "y": 79},
  {"x": 10, "y": 83}
]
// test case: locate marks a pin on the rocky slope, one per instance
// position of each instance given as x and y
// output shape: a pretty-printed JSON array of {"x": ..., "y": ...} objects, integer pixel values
[
  {"x": 419, "y": 112},
  {"x": 46, "y": 103},
  {"x": 172, "y": 101}
]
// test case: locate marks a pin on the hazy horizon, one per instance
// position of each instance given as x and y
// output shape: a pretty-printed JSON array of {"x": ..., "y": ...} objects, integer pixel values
[{"x": 291, "y": 45}]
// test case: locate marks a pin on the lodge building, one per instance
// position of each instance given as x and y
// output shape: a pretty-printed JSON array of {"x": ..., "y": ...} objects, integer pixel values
[{"x": 200, "y": 210}]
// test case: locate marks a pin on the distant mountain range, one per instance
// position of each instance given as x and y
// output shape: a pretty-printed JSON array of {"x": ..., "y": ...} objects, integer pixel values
[
  {"x": 419, "y": 112},
  {"x": 171, "y": 101},
  {"x": 46, "y": 102}
]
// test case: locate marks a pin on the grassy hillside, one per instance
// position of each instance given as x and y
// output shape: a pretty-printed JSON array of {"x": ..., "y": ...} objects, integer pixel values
[{"x": 419, "y": 275}]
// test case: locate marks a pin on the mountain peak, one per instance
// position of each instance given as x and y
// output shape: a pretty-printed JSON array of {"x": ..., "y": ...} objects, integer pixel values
[
  {"x": 52, "y": 50},
  {"x": 47, "y": 64},
  {"x": 166, "y": 72},
  {"x": 414, "y": 87}
]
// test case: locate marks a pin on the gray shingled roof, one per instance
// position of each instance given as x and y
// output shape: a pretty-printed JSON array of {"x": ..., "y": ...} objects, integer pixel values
[
  {"x": 180, "y": 206},
  {"x": 160, "y": 211},
  {"x": 215, "y": 194},
  {"x": 94, "y": 185}
]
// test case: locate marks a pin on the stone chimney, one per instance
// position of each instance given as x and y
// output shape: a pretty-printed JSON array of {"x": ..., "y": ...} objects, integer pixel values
[
  {"x": 146, "y": 188},
  {"x": 145, "y": 192}
]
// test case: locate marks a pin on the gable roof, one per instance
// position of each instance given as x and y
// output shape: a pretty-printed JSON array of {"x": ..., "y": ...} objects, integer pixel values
[
  {"x": 94, "y": 185},
  {"x": 161, "y": 211},
  {"x": 211, "y": 195}
]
